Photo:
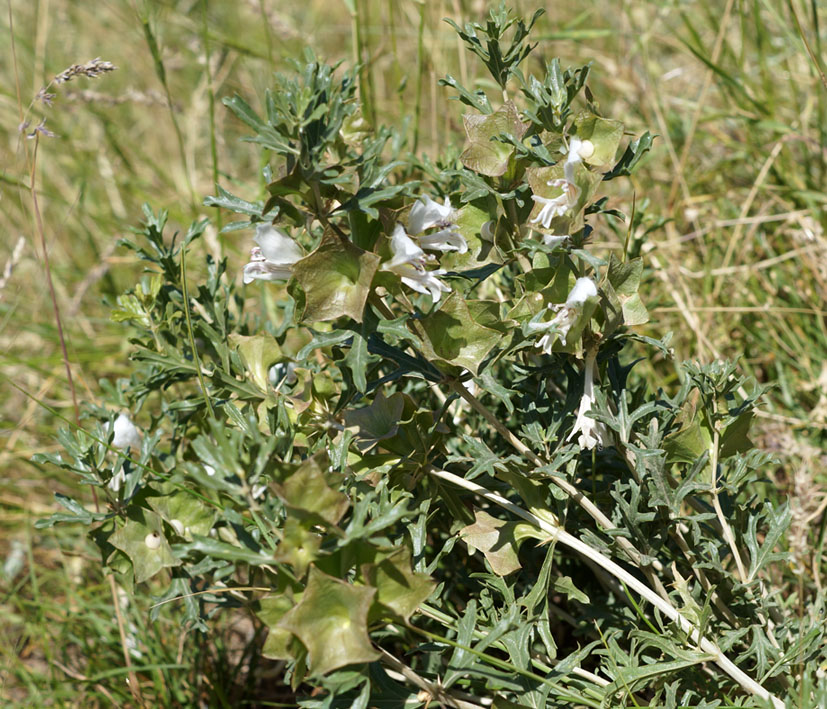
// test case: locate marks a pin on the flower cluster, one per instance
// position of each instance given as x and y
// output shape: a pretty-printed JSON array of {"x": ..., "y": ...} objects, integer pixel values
[{"x": 408, "y": 260}]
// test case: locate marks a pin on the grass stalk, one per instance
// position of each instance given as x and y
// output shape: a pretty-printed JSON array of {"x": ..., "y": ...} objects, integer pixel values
[
  {"x": 420, "y": 70},
  {"x": 48, "y": 269},
  {"x": 161, "y": 73},
  {"x": 205, "y": 39}
]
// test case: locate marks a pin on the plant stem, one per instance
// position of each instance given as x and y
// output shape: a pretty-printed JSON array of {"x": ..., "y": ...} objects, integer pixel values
[
  {"x": 557, "y": 534},
  {"x": 716, "y": 504},
  {"x": 195, "y": 357}
]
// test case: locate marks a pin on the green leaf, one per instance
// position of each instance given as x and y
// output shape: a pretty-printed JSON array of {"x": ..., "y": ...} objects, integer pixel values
[
  {"x": 688, "y": 444},
  {"x": 486, "y": 155},
  {"x": 378, "y": 421},
  {"x": 398, "y": 588},
  {"x": 335, "y": 279},
  {"x": 778, "y": 520},
  {"x": 142, "y": 540},
  {"x": 454, "y": 337},
  {"x": 217, "y": 549},
  {"x": 307, "y": 490},
  {"x": 564, "y": 584},
  {"x": 259, "y": 352},
  {"x": 358, "y": 359},
  {"x": 735, "y": 438},
  {"x": 331, "y": 621}
]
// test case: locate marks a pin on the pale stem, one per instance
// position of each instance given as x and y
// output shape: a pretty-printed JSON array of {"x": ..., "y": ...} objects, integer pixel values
[
  {"x": 664, "y": 606},
  {"x": 433, "y": 690},
  {"x": 575, "y": 494},
  {"x": 716, "y": 504}
]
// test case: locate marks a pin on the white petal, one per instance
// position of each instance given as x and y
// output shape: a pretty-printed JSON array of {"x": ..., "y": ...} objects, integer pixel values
[
  {"x": 276, "y": 246},
  {"x": 575, "y": 145},
  {"x": 586, "y": 149},
  {"x": 126, "y": 434},
  {"x": 404, "y": 250},
  {"x": 117, "y": 480},
  {"x": 444, "y": 240},
  {"x": 584, "y": 288},
  {"x": 551, "y": 208},
  {"x": 554, "y": 241},
  {"x": 427, "y": 282},
  {"x": 426, "y": 213},
  {"x": 487, "y": 230},
  {"x": 265, "y": 271}
]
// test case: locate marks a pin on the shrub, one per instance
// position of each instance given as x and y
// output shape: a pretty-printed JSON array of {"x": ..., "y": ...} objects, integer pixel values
[{"x": 418, "y": 451}]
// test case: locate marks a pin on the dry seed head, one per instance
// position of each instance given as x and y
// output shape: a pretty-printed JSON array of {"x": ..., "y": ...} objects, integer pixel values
[{"x": 91, "y": 70}]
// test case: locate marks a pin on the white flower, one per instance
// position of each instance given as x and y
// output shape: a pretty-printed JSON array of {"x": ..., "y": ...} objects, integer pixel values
[
  {"x": 565, "y": 315},
  {"x": 554, "y": 241},
  {"x": 558, "y": 206},
  {"x": 126, "y": 434},
  {"x": 592, "y": 432},
  {"x": 408, "y": 262},
  {"x": 426, "y": 214},
  {"x": 444, "y": 240},
  {"x": 273, "y": 258}
]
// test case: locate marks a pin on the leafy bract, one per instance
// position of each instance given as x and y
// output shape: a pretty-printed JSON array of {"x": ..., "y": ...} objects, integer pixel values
[
  {"x": 497, "y": 539},
  {"x": 307, "y": 491},
  {"x": 485, "y": 154},
  {"x": 398, "y": 588},
  {"x": 331, "y": 621},
  {"x": 456, "y": 338},
  {"x": 604, "y": 135},
  {"x": 335, "y": 280},
  {"x": 142, "y": 539}
]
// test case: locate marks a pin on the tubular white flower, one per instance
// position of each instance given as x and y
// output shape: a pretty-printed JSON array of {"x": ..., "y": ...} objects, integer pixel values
[
  {"x": 427, "y": 214},
  {"x": 408, "y": 262},
  {"x": 592, "y": 432},
  {"x": 558, "y": 206},
  {"x": 566, "y": 314},
  {"x": 126, "y": 433},
  {"x": 273, "y": 258}
]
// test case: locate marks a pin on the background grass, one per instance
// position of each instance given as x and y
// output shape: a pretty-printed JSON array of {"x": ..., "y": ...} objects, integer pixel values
[{"x": 729, "y": 211}]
